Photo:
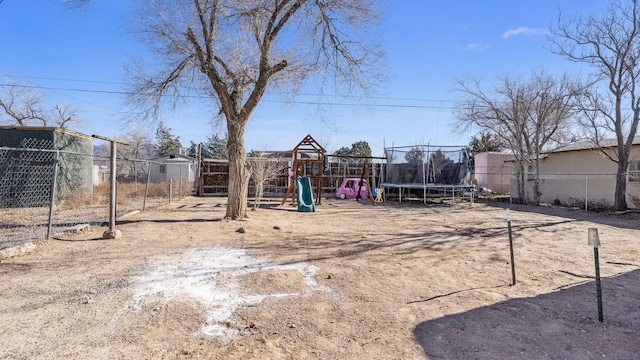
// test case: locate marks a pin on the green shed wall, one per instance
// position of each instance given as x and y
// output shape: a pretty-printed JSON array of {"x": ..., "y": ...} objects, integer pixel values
[{"x": 29, "y": 173}]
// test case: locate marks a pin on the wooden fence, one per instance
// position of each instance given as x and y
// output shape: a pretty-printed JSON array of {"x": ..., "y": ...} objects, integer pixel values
[{"x": 213, "y": 177}]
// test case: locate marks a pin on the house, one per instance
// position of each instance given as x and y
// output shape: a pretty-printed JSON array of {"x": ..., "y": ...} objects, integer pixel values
[
  {"x": 579, "y": 174},
  {"x": 26, "y": 169},
  {"x": 174, "y": 167},
  {"x": 492, "y": 171}
]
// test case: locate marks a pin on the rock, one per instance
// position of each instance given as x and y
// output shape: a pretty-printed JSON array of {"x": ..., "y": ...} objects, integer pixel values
[
  {"x": 276, "y": 227},
  {"x": 241, "y": 230},
  {"x": 115, "y": 234},
  {"x": 78, "y": 229}
]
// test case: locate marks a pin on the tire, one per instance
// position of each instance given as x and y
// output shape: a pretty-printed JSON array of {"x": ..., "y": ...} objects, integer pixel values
[{"x": 343, "y": 196}]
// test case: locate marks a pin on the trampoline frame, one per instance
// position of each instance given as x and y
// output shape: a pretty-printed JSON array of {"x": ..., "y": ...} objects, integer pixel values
[{"x": 426, "y": 186}]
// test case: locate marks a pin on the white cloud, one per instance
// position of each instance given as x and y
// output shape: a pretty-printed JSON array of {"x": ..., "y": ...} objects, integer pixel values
[
  {"x": 476, "y": 47},
  {"x": 523, "y": 30}
]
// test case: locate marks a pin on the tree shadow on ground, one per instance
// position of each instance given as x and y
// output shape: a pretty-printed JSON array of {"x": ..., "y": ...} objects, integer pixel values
[
  {"x": 559, "y": 325},
  {"x": 605, "y": 218},
  {"x": 167, "y": 221},
  {"x": 326, "y": 245}
]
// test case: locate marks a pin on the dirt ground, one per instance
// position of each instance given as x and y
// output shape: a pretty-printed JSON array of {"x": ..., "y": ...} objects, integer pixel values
[{"x": 351, "y": 281}]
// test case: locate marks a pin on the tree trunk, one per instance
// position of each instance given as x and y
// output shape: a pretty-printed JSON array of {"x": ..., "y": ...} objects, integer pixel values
[
  {"x": 238, "y": 191},
  {"x": 259, "y": 194},
  {"x": 522, "y": 177},
  {"x": 620, "y": 198}
]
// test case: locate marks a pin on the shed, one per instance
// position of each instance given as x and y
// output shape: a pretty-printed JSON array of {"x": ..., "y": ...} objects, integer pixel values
[
  {"x": 174, "y": 167},
  {"x": 493, "y": 171},
  {"x": 26, "y": 171}
]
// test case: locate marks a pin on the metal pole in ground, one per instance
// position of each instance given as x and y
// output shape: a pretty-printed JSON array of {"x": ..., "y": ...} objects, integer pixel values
[
  {"x": 513, "y": 265},
  {"x": 53, "y": 193},
  {"x": 112, "y": 192},
  {"x": 595, "y": 241},
  {"x": 112, "y": 233}
]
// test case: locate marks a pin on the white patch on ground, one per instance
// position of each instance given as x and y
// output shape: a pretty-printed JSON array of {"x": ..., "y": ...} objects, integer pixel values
[{"x": 209, "y": 276}]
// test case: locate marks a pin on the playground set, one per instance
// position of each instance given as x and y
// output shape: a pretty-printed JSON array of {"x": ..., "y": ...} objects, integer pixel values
[
  {"x": 309, "y": 164},
  {"x": 306, "y": 174},
  {"x": 427, "y": 171}
]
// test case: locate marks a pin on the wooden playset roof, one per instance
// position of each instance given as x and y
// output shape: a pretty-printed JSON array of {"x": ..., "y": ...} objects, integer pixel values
[{"x": 309, "y": 144}]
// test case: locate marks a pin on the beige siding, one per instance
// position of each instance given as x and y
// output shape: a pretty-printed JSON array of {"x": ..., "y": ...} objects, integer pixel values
[{"x": 576, "y": 177}]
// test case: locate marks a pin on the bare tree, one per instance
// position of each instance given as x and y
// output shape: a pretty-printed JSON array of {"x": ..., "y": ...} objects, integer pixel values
[
  {"x": 262, "y": 170},
  {"x": 611, "y": 45},
  {"x": 234, "y": 50},
  {"x": 528, "y": 115},
  {"x": 21, "y": 105},
  {"x": 65, "y": 116},
  {"x": 140, "y": 147},
  {"x": 24, "y": 107}
]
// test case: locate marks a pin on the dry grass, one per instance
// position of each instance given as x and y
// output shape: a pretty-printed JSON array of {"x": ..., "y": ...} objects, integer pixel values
[
  {"x": 127, "y": 193},
  {"x": 635, "y": 200},
  {"x": 17, "y": 215}
]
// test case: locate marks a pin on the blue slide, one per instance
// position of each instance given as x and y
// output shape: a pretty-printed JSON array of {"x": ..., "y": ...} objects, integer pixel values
[{"x": 304, "y": 194}]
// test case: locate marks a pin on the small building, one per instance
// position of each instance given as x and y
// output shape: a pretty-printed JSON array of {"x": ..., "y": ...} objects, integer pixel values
[
  {"x": 174, "y": 167},
  {"x": 579, "y": 174},
  {"x": 26, "y": 170},
  {"x": 492, "y": 171}
]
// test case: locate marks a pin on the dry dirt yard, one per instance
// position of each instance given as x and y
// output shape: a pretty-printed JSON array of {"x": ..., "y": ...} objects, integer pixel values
[{"x": 351, "y": 281}]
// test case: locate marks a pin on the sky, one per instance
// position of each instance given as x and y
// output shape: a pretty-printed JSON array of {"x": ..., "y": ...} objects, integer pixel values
[{"x": 79, "y": 56}]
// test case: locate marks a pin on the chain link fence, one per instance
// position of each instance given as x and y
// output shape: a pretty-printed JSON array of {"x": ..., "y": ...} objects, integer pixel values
[
  {"x": 48, "y": 193},
  {"x": 590, "y": 192}
]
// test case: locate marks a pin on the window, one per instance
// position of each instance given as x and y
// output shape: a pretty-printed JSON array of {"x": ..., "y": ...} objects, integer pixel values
[
  {"x": 163, "y": 169},
  {"x": 633, "y": 172},
  {"x": 531, "y": 173}
]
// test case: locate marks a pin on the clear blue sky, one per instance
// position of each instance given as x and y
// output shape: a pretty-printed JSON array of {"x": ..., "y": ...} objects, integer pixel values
[{"x": 78, "y": 57}]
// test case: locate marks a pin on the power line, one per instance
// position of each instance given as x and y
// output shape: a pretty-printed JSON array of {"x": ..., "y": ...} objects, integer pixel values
[
  {"x": 66, "y": 79},
  {"x": 118, "y": 92},
  {"x": 301, "y": 94}
]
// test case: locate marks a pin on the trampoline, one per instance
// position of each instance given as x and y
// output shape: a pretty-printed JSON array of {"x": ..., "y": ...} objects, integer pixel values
[{"x": 439, "y": 170}]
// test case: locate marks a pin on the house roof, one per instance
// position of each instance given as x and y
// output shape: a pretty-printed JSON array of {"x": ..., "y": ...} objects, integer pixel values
[
  {"x": 45, "y": 128},
  {"x": 591, "y": 145},
  {"x": 174, "y": 157}
]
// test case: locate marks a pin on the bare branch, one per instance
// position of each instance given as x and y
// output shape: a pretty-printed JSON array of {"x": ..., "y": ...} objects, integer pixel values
[
  {"x": 526, "y": 114},
  {"x": 236, "y": 50},
  {"x": 21, "y": 105},
  {"x": 611, "y": 45},
  {"x": 65, "y": 116}
]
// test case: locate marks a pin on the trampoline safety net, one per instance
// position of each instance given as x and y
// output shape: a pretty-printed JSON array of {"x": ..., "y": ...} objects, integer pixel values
[{"x": 428, "y": 164}]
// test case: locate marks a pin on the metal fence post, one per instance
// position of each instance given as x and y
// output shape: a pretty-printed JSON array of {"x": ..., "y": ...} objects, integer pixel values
[
  {"x": 53, "y": 193},
  {"x": 510, "y": 189},
  {"x": 586, "y": 192},
  {"x": 112, "y": 233},
  {"x": 181, "y": 195},
  {"x": 146, "y": 188},
  {"x": 112, "y": 189}
]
